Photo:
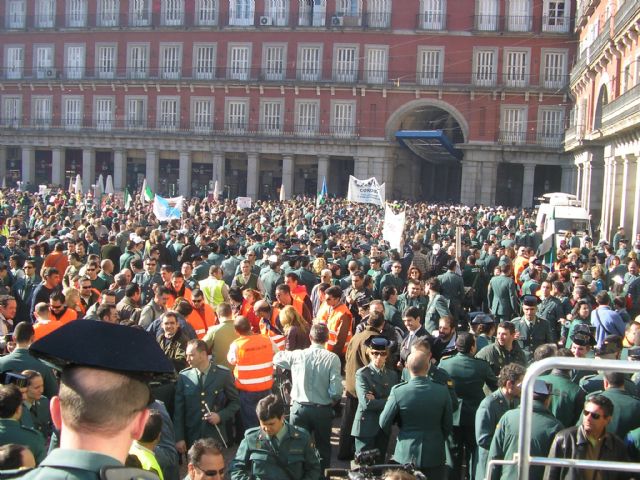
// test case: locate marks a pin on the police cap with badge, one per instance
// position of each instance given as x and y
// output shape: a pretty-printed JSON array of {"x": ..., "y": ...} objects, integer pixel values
[
  {"x": 377, "y": 343},
  {"x": 583, "y": 336}
]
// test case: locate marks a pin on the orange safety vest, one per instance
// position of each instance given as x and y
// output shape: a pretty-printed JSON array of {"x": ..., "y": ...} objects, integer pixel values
[
  {"x": 42, "y": 328},
  {"x": 268, "y": 330},
  {"x": 172, "y": 299},
  {"x": 254, "y": 363},
  {"x": 323, "y": 313},
  {"x": 200, "y": 324},
  {"x": 334, "y": 323}
]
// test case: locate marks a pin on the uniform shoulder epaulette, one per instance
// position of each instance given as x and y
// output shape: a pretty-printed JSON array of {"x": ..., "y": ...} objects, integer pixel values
[
  {"x": 222, "y": 367},
  {"x": 185, "y": 369},
  {"x": 253, "y": 430}
]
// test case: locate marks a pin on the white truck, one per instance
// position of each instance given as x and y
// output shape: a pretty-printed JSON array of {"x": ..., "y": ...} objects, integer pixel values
[{"x": 569, "y": 215}]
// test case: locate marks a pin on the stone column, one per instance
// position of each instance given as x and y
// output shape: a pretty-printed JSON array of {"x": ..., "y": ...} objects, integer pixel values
[
  {"x": 152, "y": 167},
  {"x": 323, "y": 170},
  {"x": 624, "y": 191},
  {"x": 578, "y": 167},
  {"x": 28, "y": 165},
  {"x": 636, "y": 200},
  {"x": 605, "y": 222},
  {"x": 469, "y": 187},
  {"x": 119, "y": 169},
  {"x": 489, "y": 172},
  {"x": 586, "y": 184},
  {"x": 287, "y": 175},
  {"x": 528, "y": 179},
  {"x": 568, "y": 179},
  {"x": 88, "y": 168},
  {"x": 217, "y": 158},
  {"x": 361, "y": 168},
  {"x": 57, "y": 166},
  {"x": 613, "y": 192},
  {"x": 3, "y": 163},
  {"x": 184, "y": 177},
  {"x": 253, "y": 175}
]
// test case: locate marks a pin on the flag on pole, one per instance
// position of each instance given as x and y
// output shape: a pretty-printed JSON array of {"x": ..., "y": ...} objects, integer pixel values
[
  {"x": 322, "y": 196},
  {"x": 127, "y": 200},
  {"x": 167, "y": 208},
  {"x": 147, "y": 194},
  {"x": 216, "y": 191},
  {"x": 283, "y": 194},
  {"x": 548, "y": 247}
]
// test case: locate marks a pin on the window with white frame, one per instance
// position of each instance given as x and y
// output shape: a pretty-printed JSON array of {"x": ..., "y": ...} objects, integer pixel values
[
  {"x": 103, "y": 113},
  {"x": 43, "y": 61},
  {"x": 377, "y": 60},
  {"x": 350, "y": 11},
  {"x": 139, "y": 13},
  {"x": 433, "y": 14},
  {"x": 205, "y": 61},
  {"x": 236, "y": 116},
  {"x": 271, "y": 117},
  {"x": 554, "y": 66},
  {"x": 170, "y": 61},
  {"x": 312, "y": 13},
  {"x": 76, "y": 13},
  {"x": 168, "y": 113},
  {"x": 550, "y": 127},
  {"x": 106, "y": 61},
  {"x": 11, "y": 111},
  {"x": 378, "y": 13},
  {"x": 307, "y": 117},
  {"x": 430, "y": 66},
  {"x": 16, "y": 13},
  {"x": 135, "y": 112},
  {"x": 108, "y": 13},
  {"x": 45, "y": 13},
  {"x": 138, "y": 60},
  {"x": 345, "y": 64},
  {"x": 627, "y": 78},
  {"x": 516, "y": 68},
  {"x": 309, "y": 63},
  {"x": 172, "y": 12},
  {"x": 513, "y": 125},
  {"x": 206, "y": 12},
  {"x": 518, "y": 15},
  {"x": 277, "y": 11},
  {"x": 485, "y": 67},
  {"x": 239, "y": 56},
  {"x": 72, "y": 112},
  {"x": 201, "y": 115},
  {"x": 241, "y": 12},
  {"x": 343, "y": 119},
  {"x": 555, "y": 16},
  {"x": 487, "y": 15},
  {"x": 74, "y": 61},
  {"x": 41, "y": 115},
  {"x": 14, "y": 61},
  {"x": 273, "y": 62}
]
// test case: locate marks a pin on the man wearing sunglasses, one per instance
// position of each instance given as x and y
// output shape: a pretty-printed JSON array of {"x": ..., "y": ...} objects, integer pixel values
[
  {"x": 589, "y": 441},
  {"x": 205, "y": 460}
]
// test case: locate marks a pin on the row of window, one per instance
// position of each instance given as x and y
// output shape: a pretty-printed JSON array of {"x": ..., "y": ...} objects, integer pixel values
[
  {"x": 307, "y": 119},
  {"x": 348, "y": 64},
  {"x": 310, "y": 13}
]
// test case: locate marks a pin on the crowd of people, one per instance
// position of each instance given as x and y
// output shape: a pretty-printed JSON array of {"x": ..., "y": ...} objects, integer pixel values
[{"x": 272, "y": 321}]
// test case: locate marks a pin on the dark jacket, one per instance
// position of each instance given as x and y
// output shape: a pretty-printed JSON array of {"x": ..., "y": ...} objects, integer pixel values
[{"x": 572, "y": 443}]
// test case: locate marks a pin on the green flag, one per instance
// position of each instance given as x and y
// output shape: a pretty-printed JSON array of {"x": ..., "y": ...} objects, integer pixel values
[
  {"x": 148, "y": 194},
  {"x": 127, "y": 200}
]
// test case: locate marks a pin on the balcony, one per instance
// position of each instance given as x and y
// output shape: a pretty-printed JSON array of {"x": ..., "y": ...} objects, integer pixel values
[
  {"x": 379, "y": 20},
  {"x": 578, "y": 69},
  {"x": 519, "y": 23},
  {"x": 538, "y": 139},
  {"x": 555, "y": 24},
  {"x": 628, "y": 10},
  {"x": 486, "y": 23},
  {"x": 624, "y": 109},
  {"x": 431, "y": 21}
]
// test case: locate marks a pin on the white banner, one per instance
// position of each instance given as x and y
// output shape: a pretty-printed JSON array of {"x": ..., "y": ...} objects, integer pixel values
[
  {"x": 243, "y": 202},
  {"x": 366, "y": 191},
  {"x": 393, "y": 228},
  {"x": 167, "y": 208}
]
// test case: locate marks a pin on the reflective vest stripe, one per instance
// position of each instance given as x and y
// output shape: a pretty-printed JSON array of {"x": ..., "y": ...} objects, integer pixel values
[
  {"x": 255, "y": 367},
  {"x": 254, "y": 363},
  {"x": 253, "y": 381}
]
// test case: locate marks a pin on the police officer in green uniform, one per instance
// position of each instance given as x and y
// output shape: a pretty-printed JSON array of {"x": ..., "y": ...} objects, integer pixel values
[
  {"x": 531, "y": 330},
  {"x": 103, "y": 399},
  {"x": 504, "y": 351},
  {"x": 11, "y": 430},
  {"x": 550, "y": 308},
  {"x": 276, "y": 449},
  {"x": 610, "y": 350},
  {"x": 492, "y": 408},
  {"x": 483, "y": 325},
  {"x": 470, "y": 376},
  {"x": 206, "y": 398},
  {"x": 626, "y": 407},
  {"x": 373, "y": 385}
]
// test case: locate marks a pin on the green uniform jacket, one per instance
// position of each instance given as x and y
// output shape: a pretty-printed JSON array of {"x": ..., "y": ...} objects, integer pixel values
[
  {"x": 568, "y": 398},
  {"x": 420, "y": 302},
  {"x": 257, "y": 460},
  {"x": 452, "y": 286},
  {"x": 626, "y": 412},
  {"x": 11, "y": 431},
  {"x": 394, "y": 316},
  {"x": 270, "y": 280},
  {"x": 551, "y": 310},
  {"x": 441, "y": 377},
  {"x": 437, "y": 307},
  {"x": 531, "y": 337},
  {"x": 20, "y": 359},
  {"x": 498, "y": 357},
  {"x": 595, "y": 383},
  {"x": 504, "y": 445},
  {"x": 67, "y": 464},
  {"x": 502, "y": 296},
  {"x": 218, "y": 392},
  {"x": 469, "y": 377},
  {"x": 488, "y": 415},
  {"x": 421, "y": 439},
  {"x": 365, "y": 423}
]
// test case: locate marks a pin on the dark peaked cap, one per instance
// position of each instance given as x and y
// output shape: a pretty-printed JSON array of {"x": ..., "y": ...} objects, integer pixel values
[{"x": 104, "y": 346}]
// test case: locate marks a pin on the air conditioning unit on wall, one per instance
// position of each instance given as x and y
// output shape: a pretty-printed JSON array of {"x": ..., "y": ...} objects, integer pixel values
[
  {"x": 337, "y": 21},
  {"x": 50, "y": 73},
  {"x": 266, "y": 21}
]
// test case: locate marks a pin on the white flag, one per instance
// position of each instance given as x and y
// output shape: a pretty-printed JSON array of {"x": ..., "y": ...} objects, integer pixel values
[
  {"x": 167, "y": 208},
  {"x": 393, "y": 228}
]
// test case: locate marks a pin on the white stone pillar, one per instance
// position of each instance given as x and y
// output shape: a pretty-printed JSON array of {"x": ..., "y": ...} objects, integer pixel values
[
  {"x": 586, "y": 184},
  {"x": 489, "y": 172},
  {"x": 636, "y": 200},
  {"x": 119, "y": 169},
  {"x": 612, "y": 196},
  {"x": 287, "y": 175},
  {"x": 361, "y": 168},
  {"x": 528, "y": 179},
  {"x": 28, "y": 165},
  {"x": 218, "y": 160},
  {"x": 604, "y": 217},
  {"x": 323, "y": 170},
  {"x": 57, "y": 167},
  {"x": 568, "y": 179},
  {"x": 3, "y": 162},
  {"x": 152, "y": 167},
  {"x": 253, "y": 175},
  {"x": 579, "y": 181},
  {"x": 624, "y": 183},
  {"x": 88, "y": 168},
  {"x": 184, "y": 177},
  {"x": 469, "y": 187}
]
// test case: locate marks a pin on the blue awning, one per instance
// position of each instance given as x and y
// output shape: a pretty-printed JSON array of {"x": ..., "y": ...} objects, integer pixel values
[{"x": 431, "y": 145}]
